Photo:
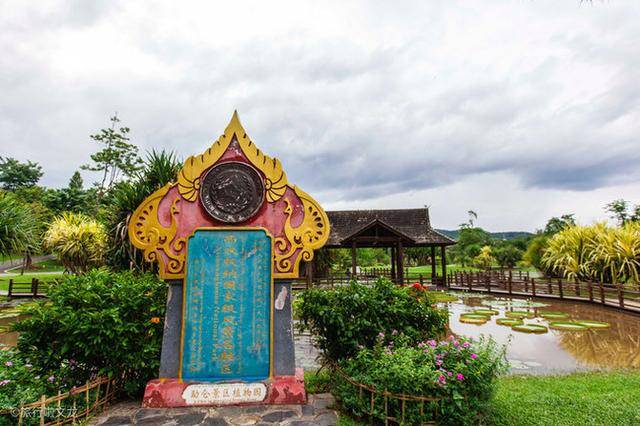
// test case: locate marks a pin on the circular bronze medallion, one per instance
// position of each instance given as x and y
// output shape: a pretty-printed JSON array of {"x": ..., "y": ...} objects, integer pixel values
[{"x": 232, "y": 192}]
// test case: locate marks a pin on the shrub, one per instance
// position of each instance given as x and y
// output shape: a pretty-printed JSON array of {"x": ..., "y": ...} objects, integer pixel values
[
  {"x": 535, "y": 251},
  {"x": 352, "y": 316},
  {"x": 101, "y": 323},
  {"x": 484, "y": 259},
  {"x": 596, "y": 252},
  {"x": 78, "y": 241},
  {"x": 18, "y": 384},
  {"x": 461, "y": 371}
]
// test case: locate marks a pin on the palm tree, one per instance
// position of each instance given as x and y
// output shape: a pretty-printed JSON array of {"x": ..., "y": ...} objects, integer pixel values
[
  {"x": 18, "y": 226},
  {"x": 159, "y": 168}
]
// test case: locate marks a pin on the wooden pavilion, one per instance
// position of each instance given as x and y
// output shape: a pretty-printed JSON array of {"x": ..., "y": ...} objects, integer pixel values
[{"x": 395, "y": 229}]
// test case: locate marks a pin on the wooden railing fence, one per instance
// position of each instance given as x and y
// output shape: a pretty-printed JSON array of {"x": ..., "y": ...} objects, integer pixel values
[
  {"x": 65, "y": 408},
  {"x": 35, "y": 288},
  {"x": 505, "y": 282},
  {"x": 393, "y": 408}
]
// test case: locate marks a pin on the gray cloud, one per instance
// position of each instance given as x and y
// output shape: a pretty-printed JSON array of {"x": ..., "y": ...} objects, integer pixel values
[{"x": 359, "y": 102}]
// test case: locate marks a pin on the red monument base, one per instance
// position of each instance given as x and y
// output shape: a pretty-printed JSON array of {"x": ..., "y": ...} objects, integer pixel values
[{"x": 166, "y": 393}]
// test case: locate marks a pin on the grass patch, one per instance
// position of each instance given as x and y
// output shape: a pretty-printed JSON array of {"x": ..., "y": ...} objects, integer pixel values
[
  {"x": 50, "y": 265},
  {"x": 598, "y": 398},
  {"x": 317, "y": 382},
  {"x": 47, "y": 278}
]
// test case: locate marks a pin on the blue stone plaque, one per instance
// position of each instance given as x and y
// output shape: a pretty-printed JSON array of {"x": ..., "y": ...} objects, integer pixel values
[{"x": 227, "y": 306}]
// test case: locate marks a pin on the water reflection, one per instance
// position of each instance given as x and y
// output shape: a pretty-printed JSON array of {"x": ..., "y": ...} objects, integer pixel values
[
  {"x": 9, "y": 338},
  {"x": 556, "y": 351}
]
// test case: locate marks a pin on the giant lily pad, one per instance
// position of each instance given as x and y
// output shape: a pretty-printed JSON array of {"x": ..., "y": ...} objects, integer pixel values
[
  {"x": 519, "y": 314},
  {"x": 567, "y": 326},
  {"x": 441, "y": 297},
  {"x": 478, "y": 321},
  {"x": 509, "y": 321},
  {"x": 471, "y": 318},
  {"x": 530, "y": 328},
  {"x": 486, "y": 312},
  {"x": 553, "y": 315},
  {"x": 593, "y": 324}
]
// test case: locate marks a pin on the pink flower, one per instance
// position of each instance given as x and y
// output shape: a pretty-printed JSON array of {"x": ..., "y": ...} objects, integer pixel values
[
  {"x": 441, "y": 378},
  {"x": 394, "y": 332},
  {"x": 449, "y": 374},
  {"x": 4, "y": 382},
  {"x": 51, "y": 378},
  {"x": 466, "y": 344},
  {"x": 381, "y": 335},
  {"x": 439, "y": 363},
  {"x": 474, "y": 356},
  {"x": 421, "y": 345},
  {"x": 455, "y": 343},
  {"x": 8, "y": 363},
  {"x": 432, "y": 343},
  {"x": 459, "y": 376}
]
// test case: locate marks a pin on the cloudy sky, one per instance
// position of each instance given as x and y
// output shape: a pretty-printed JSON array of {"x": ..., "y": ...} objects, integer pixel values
[{"x": 519, "y": 110}]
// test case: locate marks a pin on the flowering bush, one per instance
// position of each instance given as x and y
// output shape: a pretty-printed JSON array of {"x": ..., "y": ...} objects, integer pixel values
[
  {"x": 460, "y": 371},
  {"x": 347, "y": 318},
  {"x": 18, "y": 383},
  {"x": 97, "y": 324}
]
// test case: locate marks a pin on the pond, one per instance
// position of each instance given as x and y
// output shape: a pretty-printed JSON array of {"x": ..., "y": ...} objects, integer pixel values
[
  {"x": 9, "y": 315},
  {"x": 614, "y": 344}
]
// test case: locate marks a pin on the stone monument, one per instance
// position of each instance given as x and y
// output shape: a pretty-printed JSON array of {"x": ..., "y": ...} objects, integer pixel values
[{"x": 228, "y": 236}]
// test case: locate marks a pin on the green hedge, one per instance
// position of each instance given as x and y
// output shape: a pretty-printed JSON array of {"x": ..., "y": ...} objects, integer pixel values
[
  {"x": 351, "y": 317},
  {"x": 101, "y": 323}
]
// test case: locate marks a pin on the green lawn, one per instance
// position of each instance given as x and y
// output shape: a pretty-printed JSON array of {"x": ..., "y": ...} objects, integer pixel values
[
  {"x": 52, "y": 265},
  {"x": 596, "y": 398},
  {"x": 426, "y": 269},
  {"x": 4, "y": 279},
  {"x": 577, "y": 399}
]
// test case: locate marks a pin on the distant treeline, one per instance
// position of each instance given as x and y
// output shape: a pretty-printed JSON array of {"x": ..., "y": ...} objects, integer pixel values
[{"x": 512, "y": 235}]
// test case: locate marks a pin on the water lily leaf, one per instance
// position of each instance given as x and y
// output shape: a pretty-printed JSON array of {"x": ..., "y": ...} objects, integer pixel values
[
  {"x": 593, "y": 324},
  {"x": 530, "y": 328},
  {"x": 509, "y": 321},
  {"x": 553, "y": 315},
  {"x": 567, "y": 326}
]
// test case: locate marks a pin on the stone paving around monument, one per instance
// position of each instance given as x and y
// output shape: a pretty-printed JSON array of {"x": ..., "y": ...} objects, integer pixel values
[{"x": 315, "y": 412}]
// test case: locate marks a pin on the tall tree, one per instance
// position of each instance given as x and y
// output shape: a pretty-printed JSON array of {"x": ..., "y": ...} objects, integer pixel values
[
  {"x": 76, "y": 183},
  {"x": 16, "y": 175},
  {"x": 621, "y": 211},
  {"x": 116, "y": 158},
  {"x": 557, "y": 224}
]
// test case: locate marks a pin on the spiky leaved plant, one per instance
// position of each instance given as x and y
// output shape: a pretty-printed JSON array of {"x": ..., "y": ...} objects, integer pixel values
[
  {"x": 159, "y": 168},
  {"x": 18, "y": 226},
  {"x": 78, "y": 241}
]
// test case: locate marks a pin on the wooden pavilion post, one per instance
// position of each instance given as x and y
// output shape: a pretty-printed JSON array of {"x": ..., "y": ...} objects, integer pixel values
[
  {"x": 393, "y": 264},
  {"x": 353, "y": 260},
  {"x": 433, "y": 265},
  {"x": 309, "y": 274},
  {"x": 443, "y": 256},
  {"x": 400, "y": 263}
]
